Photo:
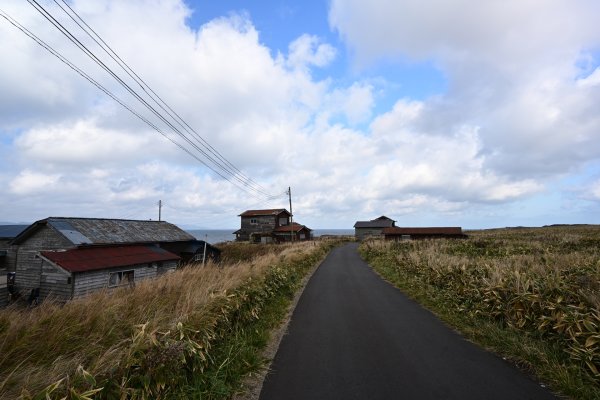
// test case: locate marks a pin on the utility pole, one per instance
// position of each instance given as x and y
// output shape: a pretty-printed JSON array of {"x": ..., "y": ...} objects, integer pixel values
[
  {"x": 291, "y": 214},
  {"x": 159, "y": 209}
]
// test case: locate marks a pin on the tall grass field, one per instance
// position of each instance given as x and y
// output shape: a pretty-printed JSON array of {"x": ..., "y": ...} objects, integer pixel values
[
  {"x": 529, "y": 294},
  {"x": 194, "y": 333}
]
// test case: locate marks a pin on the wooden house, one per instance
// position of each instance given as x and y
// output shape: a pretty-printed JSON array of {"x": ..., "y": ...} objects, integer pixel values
[
  {"x": 374, "y": 227},
  {"x": 398, "y": 233},
  {"x": 68, "y": 274},
  {"x": 267, "y": 226},
  {"x": 295, "y": 232},
  {"x": 258, "y": 225},
  {"x": 70, "y": 233}
]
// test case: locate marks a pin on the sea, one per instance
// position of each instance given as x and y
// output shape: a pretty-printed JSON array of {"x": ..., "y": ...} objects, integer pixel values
[{"x": 214, "y": 236}]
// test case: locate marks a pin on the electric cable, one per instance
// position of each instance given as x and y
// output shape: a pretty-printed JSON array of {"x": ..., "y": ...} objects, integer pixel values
[
  {"x": 145, "y": 87},
  {"x": 90, "y": 54},
  {"x": 82, "y": 73}
]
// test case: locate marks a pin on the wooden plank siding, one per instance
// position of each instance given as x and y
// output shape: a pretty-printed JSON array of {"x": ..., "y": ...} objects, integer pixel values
[
  {"x": 28, "y": 266},
  {"x": 261, "y": 225},
  {"x": 60, "y": 285}
]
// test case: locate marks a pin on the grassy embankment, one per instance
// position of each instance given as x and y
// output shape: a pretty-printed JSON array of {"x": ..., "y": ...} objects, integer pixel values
[
  {"x": 194, "y": 333},
  {"x": 531, "y": 295}
]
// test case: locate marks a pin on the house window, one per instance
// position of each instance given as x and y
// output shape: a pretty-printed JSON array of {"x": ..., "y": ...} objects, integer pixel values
[
  {"x": 283, "y": 221},
  {"x": 253, "y": 221},
  {"x": 120, "y": 278}
]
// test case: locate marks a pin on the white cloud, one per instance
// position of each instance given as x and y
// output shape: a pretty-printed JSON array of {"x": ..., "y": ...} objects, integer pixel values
[
  {"x": 592, "y": 191},
  {"x": 505, "y": 124},
  {"x": 308, "y": 51},
  {"x": 29, "y": 182},
  {"x": 591, "y": 80},
  {"x": 511, "y": 69},
  {"x": 84, "y": 143}
]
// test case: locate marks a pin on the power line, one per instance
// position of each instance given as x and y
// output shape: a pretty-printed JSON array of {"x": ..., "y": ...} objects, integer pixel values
[
  {"x": 153, "y": 95},
  {"x": 82, "y": 73},
  {"x": 224, "y": 170}
]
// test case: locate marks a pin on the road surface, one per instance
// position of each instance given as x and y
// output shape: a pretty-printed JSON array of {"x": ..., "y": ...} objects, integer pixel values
[{"x": 354, "y": 336}]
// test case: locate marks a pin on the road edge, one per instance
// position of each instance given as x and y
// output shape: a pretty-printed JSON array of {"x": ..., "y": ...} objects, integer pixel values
[{"x": 252, "y": 384}]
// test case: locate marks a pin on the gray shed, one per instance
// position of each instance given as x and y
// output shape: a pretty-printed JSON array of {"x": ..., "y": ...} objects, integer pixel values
[
  {"x": 374, "y": 227},
  {"x": 58, "y": 233}
]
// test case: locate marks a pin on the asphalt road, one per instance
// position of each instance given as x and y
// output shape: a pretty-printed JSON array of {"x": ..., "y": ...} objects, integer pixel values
[{"x": 354, "y": 336}]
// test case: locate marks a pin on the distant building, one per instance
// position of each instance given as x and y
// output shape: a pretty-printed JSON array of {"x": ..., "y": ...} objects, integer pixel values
[
  {"x": 8, "y": 259},
  {"x": 295, "y": 230},
  {"x": 374, "y": 227},
  {"x": 266, "y": 226},
  {"x": 398, "y": 233},
  {"x": 193, "y": 251},
  {"x": 8, "y": 251},
  {"x": 65, "y": 234}
]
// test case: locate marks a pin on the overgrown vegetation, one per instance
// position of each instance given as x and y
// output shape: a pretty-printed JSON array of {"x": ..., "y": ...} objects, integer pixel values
[
  {"x": 191, "y": 334},
  {"x": 532, "y": 295}
]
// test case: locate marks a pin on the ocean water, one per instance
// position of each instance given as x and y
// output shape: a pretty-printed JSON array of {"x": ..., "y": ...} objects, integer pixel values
[{"x": 214, "y": 236}]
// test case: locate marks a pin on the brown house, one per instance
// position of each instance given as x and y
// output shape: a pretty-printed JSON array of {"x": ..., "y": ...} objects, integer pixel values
[
  {"x": 296, "y": 231},
  {"x": 266, "y": 226},
  {"x": 398, "y": 233}
]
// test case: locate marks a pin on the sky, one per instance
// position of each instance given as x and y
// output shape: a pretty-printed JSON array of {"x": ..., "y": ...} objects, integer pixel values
[{"x": 431, "y": 112}]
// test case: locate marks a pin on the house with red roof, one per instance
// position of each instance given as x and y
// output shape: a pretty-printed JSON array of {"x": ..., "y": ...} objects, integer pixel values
[
  {"x": 65, "y": 258},
  {"x": 72, "y": 273},
  {"x": 272, "y": 225}
]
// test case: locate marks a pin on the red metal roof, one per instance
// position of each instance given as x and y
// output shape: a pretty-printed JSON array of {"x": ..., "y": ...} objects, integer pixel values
[
  {"x": 423, "y": 231},
  {"x": 295, "y": 227},
  {"x": 253, "y": 213},
  {"x": 95, "y": 258}
]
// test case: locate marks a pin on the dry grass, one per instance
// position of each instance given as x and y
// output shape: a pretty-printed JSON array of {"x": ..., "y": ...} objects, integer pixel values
[
  {"x": 43, "y": 345},
  {"x": 543, "y": 283}
]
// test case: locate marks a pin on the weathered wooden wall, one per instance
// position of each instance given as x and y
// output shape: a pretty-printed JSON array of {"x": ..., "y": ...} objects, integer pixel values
[
  {"x": 264, "y": 224},
  {"x": 55, "y": 283},
  {"x": 28, "y": 265},
  {"x": 362, "y": 233}
]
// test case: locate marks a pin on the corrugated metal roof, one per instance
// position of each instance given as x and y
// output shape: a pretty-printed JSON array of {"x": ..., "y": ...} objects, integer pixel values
[
  {"x": 295, "y": 227},
  {"x": 423, "y": 231},
  {"x": 376, "y": 223},
  {"x": 69, "y": 231},
  {"x": 96, "y": 258},
  {"x": 11, "y": 231},
  {"x": 110, "y": 231},
  {"x": 256, "y": 213}
]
